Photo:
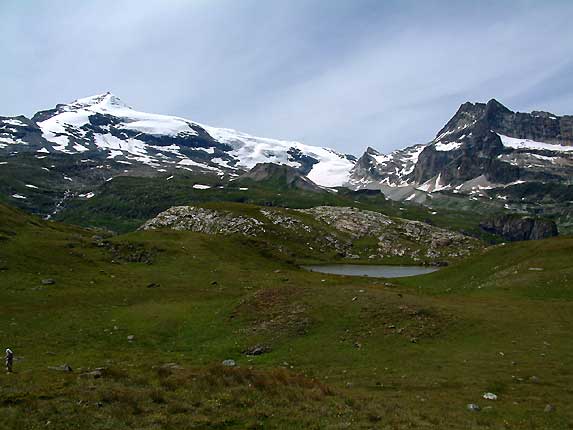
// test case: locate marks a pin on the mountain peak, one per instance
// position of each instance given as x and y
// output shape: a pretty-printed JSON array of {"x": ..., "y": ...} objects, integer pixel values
[
  {"x": 104, "y": 101},
  {"x": 494, "y": 104},
  {"x": 372, "y": 151}
]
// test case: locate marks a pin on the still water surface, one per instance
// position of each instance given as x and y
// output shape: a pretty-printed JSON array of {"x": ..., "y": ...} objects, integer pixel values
[{"x": 375, "y": 271}]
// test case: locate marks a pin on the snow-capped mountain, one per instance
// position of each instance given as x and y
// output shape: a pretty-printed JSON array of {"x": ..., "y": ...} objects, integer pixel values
[
  {"x": 483, "y": 146},
  {"x": 105, "y": 127},
  {"x": 374, "y": 169},
  {"x": 484, "y": 150}
]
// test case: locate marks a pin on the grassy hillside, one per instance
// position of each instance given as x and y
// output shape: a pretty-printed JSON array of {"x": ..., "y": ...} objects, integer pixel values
[{"x": 338, "y": 352}]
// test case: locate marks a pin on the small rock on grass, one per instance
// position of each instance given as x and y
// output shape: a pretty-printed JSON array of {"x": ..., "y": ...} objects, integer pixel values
[
  {"x": 549, "y": 408},
  {"x": 229, "y": 363},
  {"x": 63, "y": 368},
  {"x": 171, "y": 366},
  {"x": 131, "y": 338},
  {"x": 48, "y": 282},
  {"x": 95, "y": 374},
  {"x": 473, "y": 407},
  {"x": 257, "y": 350},
  {"x": 490, "y": 396}
]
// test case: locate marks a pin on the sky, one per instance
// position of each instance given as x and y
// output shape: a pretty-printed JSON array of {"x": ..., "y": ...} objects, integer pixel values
[{"x": 344, "y": 74}]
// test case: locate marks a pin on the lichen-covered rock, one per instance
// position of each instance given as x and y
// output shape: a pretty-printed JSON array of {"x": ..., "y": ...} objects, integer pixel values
[
  {"x": 202, "y": 220},
  {"x": 396, "y": 237},
  {"x": 348, "y": 232},
  {"x": 356, "y": 222},
  {"x": 285, "y": 221}
]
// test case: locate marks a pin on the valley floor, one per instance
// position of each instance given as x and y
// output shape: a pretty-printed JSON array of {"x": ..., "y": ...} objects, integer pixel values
[{"x": 145, "y": 321}]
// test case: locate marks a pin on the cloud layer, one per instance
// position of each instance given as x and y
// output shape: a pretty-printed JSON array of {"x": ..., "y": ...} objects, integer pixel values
[{"x": 345, "y": 74}]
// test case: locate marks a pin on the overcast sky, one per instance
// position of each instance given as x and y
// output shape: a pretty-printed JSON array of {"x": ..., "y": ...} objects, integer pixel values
[{"x": 344, "y": 74}]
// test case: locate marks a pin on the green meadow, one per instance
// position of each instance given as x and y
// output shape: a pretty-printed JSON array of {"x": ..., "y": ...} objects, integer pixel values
[{"x": 131, "y": 331}]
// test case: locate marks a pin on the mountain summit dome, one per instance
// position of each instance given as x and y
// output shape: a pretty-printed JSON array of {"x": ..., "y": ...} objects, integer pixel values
[{"x": 103, "y": 101}]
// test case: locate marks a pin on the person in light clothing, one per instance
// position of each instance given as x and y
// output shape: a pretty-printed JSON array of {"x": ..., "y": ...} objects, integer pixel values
[{"x": 9, "y": 360}]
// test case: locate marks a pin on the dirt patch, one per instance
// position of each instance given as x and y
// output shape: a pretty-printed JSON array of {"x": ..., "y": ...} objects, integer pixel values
[
  {"x": 276, "y": 311},
  {"x": 412, "y": 322}
]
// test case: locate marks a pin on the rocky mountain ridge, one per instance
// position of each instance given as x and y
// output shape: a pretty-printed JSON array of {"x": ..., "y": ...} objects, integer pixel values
[{"x": 483, "y": 146}]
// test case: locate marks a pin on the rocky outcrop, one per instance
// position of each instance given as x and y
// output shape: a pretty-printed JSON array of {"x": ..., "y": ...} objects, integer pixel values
[
  {"x": 202, "y": 220},
  {"x": 515, "y": 228},
  {"x": 358, "y": 223},
  {"x": 396, "y": 236},
  {"x": 349, "y": 232}
]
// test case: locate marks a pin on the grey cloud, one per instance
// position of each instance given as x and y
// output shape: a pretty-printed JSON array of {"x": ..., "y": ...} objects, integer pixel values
[{"x": 345, "y": 74}]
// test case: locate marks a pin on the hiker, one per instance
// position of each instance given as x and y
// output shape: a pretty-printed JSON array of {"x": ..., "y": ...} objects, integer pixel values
[{"x": 9, "y": 360}]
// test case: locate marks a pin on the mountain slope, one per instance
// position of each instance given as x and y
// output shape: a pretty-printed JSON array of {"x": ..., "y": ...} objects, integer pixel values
[
  {"x": 279, "y": 177},
  {"x": 66, "y": 153},
  {"x": 105, "y": 124}
]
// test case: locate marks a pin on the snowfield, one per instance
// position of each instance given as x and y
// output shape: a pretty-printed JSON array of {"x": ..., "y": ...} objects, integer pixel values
[
  {"x": 514, "y": 143},
  {"x": 69, "y": 130}
]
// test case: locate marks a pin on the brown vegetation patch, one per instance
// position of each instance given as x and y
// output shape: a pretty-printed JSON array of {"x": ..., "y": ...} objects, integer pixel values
[
  {"x": 222, "y": 377},
  {"x": 406, "y": 320},
  {"x": 277, "y": 311}
]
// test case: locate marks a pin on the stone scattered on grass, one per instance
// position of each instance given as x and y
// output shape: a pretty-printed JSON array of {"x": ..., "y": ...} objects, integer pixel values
[
  {"x": 131, "y": 338},
  {"x": 171, "y": 366},
  {"x": 534, "y": 379},
  {"x": 549, "y": 408},
  {"x": 229, "y": 363},
  {"x": 257, "y": 350},
  {"x": 473, "y": 407},
  {"x": 95, "y": 374},
  {"x": 490, "y": 396},
  {"x": 63, "y": 368},
  {"x": 48, "y": 282}
]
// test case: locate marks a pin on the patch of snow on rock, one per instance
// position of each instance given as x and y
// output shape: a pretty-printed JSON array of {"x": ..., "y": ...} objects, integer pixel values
[{"x": 514, "y": 143}]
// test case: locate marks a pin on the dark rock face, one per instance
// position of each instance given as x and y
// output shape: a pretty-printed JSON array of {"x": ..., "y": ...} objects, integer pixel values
[
  {"x": 306, "y": 161},
  {"x": 515, "y": 228},
  {"x": 538, "y": 126},
  {"x": 19, "y": 129},
  {"x": 479, "y": 150}
]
